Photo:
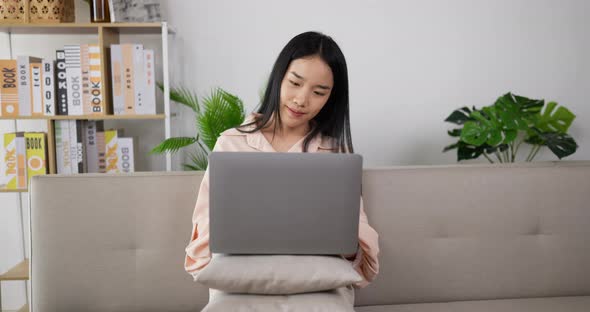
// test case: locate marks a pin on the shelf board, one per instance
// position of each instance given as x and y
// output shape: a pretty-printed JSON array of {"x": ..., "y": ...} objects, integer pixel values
[
  {"x": 82, "y": 28},
  {"x": 24, "y": 308},
  {"x": 87, "y": 117},
  {"x": 3, "y": 190},
  {"x": 20, "y": 272}
]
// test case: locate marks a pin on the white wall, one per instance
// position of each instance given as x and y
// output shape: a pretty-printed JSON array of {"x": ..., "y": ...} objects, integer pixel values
[{"x": 410, "y": 62}]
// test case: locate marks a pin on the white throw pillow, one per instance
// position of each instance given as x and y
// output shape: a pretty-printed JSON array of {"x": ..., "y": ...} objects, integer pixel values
[
  {"x": 341, "y": 299},
  {"x": 277, "y": 274}
]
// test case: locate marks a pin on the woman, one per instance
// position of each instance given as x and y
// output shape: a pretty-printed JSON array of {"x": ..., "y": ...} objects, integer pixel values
[{"x": 304, "y": 109}]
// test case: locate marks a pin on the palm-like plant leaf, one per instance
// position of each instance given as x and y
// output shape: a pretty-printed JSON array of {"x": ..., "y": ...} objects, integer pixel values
[
  {"x": 172, "y": 145},
  {"x": 217, "y": 113},
  {"x": 184, "y": 96},
  {"x": 221, "y": 111},
  {"x": 199, "y": 160}
]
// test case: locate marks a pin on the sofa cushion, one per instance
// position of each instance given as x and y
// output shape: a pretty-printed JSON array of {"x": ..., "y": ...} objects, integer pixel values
[
  {"x": 340, "y": 300},
  {"x": 277, "y": 274},
  {"x": 551, "y": 304}
]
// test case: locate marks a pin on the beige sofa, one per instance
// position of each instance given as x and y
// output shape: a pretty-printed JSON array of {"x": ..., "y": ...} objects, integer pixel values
[{"x": 453, "y": 238}]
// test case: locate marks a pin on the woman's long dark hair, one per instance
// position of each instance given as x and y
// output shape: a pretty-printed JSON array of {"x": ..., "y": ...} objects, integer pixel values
[{"x": 333, "y": 120}]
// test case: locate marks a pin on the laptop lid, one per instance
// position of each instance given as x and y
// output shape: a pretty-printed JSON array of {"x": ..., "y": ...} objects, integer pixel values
[{"x": 284, "y": 203}]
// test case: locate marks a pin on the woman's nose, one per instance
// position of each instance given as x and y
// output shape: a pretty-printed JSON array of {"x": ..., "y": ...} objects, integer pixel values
[{"x": 301, "y": 98}]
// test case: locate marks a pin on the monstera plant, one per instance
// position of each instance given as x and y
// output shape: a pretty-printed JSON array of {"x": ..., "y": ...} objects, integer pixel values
[
  {"x": 216, "y": 113},
  {"x": 498, "y": 131}
]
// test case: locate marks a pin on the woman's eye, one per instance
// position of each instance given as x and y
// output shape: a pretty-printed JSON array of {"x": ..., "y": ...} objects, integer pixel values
[
  {"x": 320, "y": 94},
  {"x": 294, "y": 83}
]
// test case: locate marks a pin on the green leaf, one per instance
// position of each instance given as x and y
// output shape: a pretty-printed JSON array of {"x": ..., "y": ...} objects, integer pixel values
[
  {"x": 529, "y": 106},
  {"x": 535, "y": 140},
  {"x": 552, "y": 120},
  {"x": 561, "y": 144},
  {"x": 455, "y": 132},
  {"x": 199, "y": 160},
  {"x": 474, "y": 133},
  {"x": 509, "y": 112},
  {"x": 172, "y": 145},
  {"x": 466, "y": 151},
  {"x": 450, "y": 147},
  {"x": 459, "y": 116},
  {"x": 221, "y": 111},
  {"x": 182, "y": 95}
]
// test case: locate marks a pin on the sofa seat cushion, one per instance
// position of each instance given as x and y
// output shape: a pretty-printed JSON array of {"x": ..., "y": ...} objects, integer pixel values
[{"x": 549, "y": 304}]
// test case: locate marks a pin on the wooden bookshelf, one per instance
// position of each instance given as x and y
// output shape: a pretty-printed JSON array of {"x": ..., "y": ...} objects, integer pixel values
[
  {"x": 104, "y": 34},
  {"x": 19, "y": 272}
]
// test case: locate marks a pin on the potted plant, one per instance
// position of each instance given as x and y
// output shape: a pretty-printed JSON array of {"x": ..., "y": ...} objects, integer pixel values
[
  {"x": 500, "y": 129},
  {"x": 216, "y": 113}
]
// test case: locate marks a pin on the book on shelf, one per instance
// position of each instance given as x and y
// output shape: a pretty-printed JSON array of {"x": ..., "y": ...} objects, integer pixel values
[
  {"x": 48, "y": 76},
  {"x": 72, "y": 84},
  {"x": 25, "y": 88},
  {"x": 9, "y": 88},
  {"x": 61, "y": 88},
  {"x": 84, "y": 146},
  {"x": 36, "y": 146},
  {"x": 132, "y": 74},
  {"x": 25, "y": 156}
]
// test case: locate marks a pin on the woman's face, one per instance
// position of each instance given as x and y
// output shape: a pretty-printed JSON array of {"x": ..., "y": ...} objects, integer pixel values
[{"x": 305, "y": 89}]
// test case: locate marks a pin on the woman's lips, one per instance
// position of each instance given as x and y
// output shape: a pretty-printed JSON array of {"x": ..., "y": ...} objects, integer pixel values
[{"x": 295, "y": 113}]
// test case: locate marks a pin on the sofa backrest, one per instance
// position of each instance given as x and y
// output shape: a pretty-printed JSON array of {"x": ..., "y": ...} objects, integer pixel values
[
  {"x": 113, "y": 242},
  {"x": 467, "y": 232},
  {"x": 459, "y": 232}
]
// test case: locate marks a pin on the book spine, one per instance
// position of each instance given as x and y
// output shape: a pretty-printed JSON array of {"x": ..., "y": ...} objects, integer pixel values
[
  {"x": 126, "y": 155},
  {"x": 112, "y": 161},
  {"x": 85, "y": 70},
  {"x": 11, "y": 161},
  {"x": 117, "y": 79},
  {"x": 48, "y": 87},
  {"x": 36, "y": 154},
  {"x": 128, "y": 75},
  {"x": 80, "y": 146},
  {"x": 9, "y": 89},
  {"x": 24, "y": 83},
  {"x": 139, "y": 79},
  {"x": 61, "y": 78},
  {"x": 149, "y": 101},
  {"x": 74, "y": 79},
  {"x": 66, "y": 146},
  {"x": 90, "y": 142},
  {"x": 101, "y": 147},
  {"x": 21, "y": 157},
  {"x": 59, "y": 156},
  {"x": 96, "y": 98},
  {"x": 73, "y": 146},
  {"x": 36, "y": 90}
]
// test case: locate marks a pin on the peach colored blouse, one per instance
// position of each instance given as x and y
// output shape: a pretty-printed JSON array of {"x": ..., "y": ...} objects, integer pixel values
[{"x": 198, "y": 254}]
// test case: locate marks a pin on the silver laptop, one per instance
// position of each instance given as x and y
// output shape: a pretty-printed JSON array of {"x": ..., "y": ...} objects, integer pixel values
[{"x": 284, "y": 203}]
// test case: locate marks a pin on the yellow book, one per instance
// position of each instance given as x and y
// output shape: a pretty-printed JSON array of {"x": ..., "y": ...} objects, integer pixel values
[
  {"x": 21, "y": 158},
  {"x": 111, "y": 147},
  {"x": 10, "y": 159},
  {"x": 36, "y": 154}
]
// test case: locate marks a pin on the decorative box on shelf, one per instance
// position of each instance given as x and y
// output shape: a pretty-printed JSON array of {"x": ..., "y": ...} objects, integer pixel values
[{"x": 37, "y": 11}]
